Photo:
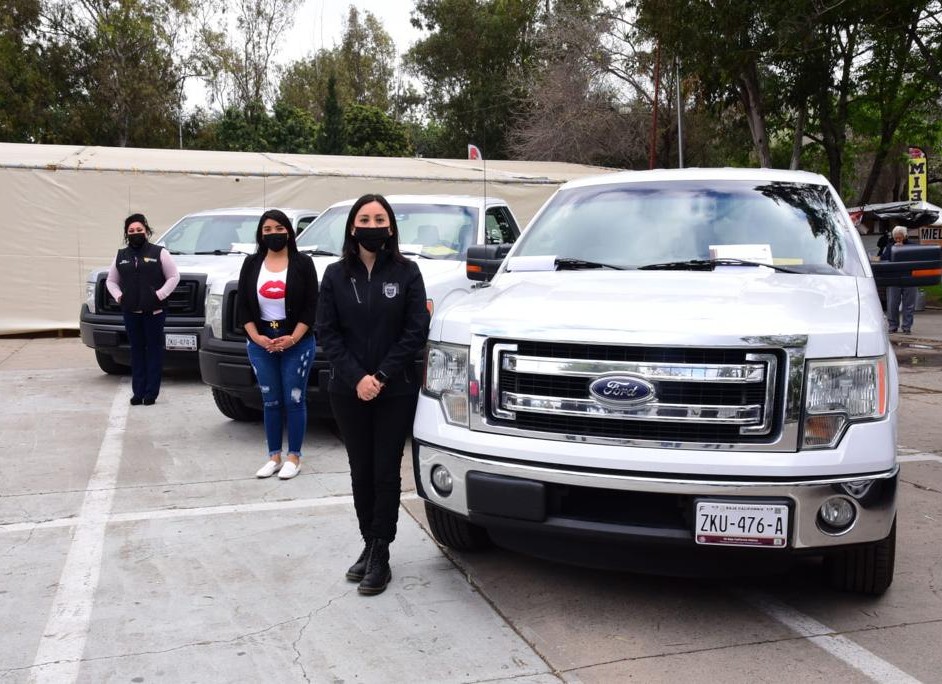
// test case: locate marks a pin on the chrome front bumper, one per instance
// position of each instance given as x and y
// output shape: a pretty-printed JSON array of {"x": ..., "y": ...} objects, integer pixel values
[{"x": 875, "y": 502}]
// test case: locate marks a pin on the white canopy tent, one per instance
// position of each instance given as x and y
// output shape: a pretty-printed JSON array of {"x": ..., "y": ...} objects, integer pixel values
[{"x": 66, "y": 204}]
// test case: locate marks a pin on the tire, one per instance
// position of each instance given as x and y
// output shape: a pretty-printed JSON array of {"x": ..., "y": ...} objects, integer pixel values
[
  {"x": 107, "y": 363},
  {"x": 865, "y": 569},
  {"x": 454, "y": 532},
  {"x": 232, "y": 407}
]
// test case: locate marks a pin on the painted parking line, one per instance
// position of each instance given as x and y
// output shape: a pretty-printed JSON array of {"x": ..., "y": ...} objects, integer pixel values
[
  {"x": 912, "y": 458},
  {"x": 169, "y": 513},
  {"x": 828, "y": 639},
  {"x": 59, "y": 654}
]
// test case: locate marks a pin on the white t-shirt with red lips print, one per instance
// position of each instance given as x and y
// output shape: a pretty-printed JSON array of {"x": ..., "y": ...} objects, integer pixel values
[{"x": 271, "y": 294}]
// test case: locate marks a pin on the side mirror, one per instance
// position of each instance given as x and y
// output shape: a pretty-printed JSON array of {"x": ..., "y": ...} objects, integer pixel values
[
  {"x": 910, "y": 266},
  {"x": 484, "y": 260}
]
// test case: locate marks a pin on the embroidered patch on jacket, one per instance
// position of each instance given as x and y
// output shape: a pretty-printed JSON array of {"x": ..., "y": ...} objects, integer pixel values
[
  {"x": 149, "y": 259},
  {"x": 390, "y": 289}
]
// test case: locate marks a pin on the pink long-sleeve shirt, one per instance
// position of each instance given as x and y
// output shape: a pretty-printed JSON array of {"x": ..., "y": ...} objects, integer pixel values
[{"x": 167, "y": 266}]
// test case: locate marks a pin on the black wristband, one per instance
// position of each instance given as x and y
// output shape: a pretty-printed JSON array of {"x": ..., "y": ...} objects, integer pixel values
[{"x": 381, "y": 376}]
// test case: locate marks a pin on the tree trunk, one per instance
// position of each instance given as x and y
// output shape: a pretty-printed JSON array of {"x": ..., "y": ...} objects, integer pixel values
[
  {"x": 795, "y": 162},
  {"x": 751, "y": 97}
]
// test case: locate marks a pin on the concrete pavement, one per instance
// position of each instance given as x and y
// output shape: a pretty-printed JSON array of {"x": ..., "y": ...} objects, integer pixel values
[{"x": 135, "y": 545}]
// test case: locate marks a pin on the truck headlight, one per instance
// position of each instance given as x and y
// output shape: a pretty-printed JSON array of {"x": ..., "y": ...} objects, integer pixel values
[
  {"x": 90, "y": 296},
  {"x": 446, "y": 379},
  {"x": 213, "y": 306},
  {"x": 842, "y": 392}
]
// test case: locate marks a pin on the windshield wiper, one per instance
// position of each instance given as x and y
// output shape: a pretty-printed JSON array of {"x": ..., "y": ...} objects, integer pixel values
[
  {"x": 568, "y": 264},
  {"x": 318, "y": 252},
  {"x": 418, "y": 254},
  {"x": 709, "y": 265},
  {"x": 220, "y": 252}
]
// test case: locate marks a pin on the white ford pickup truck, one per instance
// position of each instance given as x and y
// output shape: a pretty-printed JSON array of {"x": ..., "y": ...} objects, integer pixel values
[{"x": 691, "y": 360}]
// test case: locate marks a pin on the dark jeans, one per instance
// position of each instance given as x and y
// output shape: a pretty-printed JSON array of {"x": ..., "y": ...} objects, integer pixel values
[
  {"x": 374, "y": 433},
  {"x": 282, "y": 378},
  {"x": 146, "y": 335}
]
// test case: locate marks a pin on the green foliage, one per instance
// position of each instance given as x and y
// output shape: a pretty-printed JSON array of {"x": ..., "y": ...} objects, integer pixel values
[
  {"x": 369, "y": 132},
  {"x": 362, "y": 67},
  {"x": 331, "y": 139},
  {"x": 472, "y": 64}
]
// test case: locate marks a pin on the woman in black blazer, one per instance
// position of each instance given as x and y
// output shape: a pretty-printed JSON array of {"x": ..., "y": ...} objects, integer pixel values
[
  {"x": 277, "y": 306},
  {"x": 372, "y": 322}
]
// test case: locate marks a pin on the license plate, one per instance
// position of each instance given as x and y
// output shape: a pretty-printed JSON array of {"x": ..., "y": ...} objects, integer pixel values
[
  {"x": 177, "y": 341},
  {"x": 741, "y": 524}
]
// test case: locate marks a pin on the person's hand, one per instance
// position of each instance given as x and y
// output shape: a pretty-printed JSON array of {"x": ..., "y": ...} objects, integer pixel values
[
  {"x": 264, "y": 342},
  {"x": 282, "y": 343},
  {"x": 368, "y": 388}
]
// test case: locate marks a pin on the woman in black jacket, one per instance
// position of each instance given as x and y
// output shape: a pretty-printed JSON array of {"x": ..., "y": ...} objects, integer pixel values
[
  {"x": 277, "y": 306},
  {"x": 372, "y": 321}
]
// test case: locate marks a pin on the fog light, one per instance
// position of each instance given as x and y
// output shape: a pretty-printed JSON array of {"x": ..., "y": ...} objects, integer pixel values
[
  {"x": 441, "y": 480},
  {"x": 836, "y": 515}
]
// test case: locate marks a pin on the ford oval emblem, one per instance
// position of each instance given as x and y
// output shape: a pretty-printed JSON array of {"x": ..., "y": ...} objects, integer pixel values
[{"x": 621, "y": 390}]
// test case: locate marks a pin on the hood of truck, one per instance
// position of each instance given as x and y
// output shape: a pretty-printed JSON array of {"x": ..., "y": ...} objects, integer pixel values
[{"x": 734, "y": 306}]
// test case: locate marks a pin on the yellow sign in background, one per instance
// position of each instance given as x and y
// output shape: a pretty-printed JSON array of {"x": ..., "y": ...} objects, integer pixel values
[{"x": 917, "y": 175}]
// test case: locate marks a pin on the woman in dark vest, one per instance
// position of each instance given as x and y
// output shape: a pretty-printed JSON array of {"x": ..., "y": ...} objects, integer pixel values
[{"x": 142, "y": 276}]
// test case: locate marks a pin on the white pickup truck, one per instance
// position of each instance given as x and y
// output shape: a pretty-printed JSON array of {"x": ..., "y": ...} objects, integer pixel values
[
  {"x": 203, "y": 246},
  {"x": 689, "y": 361},
  {"x": 435, "y": 230}
]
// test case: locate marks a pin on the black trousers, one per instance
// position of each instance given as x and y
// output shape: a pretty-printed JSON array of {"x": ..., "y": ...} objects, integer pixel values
[
  {"x": 374, "y": 433},
  {"x": 146, "y": 335}
]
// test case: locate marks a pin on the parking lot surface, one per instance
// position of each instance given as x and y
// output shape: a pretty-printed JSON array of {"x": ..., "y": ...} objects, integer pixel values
[{"x": 136, "y": 545}]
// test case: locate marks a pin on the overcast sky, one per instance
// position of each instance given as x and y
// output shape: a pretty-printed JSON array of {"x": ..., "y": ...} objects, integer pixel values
[{"x": 319, "y": 24}]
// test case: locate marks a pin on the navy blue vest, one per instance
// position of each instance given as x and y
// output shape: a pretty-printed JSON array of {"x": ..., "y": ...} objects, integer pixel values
[{"x": 140, "y": 276}]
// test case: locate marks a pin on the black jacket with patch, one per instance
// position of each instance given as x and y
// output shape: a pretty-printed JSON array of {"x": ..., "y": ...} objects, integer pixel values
[{"x": 370, "y": 322}]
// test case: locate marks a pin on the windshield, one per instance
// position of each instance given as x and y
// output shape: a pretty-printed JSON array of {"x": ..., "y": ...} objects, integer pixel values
[
  {"x": 793, "y": 225},
  {"x": 434, "y": 231},
  {"x": 208, "y": 234}
]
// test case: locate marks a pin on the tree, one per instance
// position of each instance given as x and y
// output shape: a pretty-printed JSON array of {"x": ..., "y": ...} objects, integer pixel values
[
  {"x": 370, "y": 132},
  {"x": 331, "y": 140},
  {"x": 127, "y": 79},
  {"x": 472, "y": 65},
  {"x": 237, "y": 61},
  {"x": 27, "y": 86},
  {"x": 362, "y": 65}
]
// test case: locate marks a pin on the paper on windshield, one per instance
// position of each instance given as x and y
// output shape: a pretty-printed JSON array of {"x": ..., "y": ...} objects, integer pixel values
[
  {"x": 532, "y": 263},
  {"x": 761, "y": 254}
]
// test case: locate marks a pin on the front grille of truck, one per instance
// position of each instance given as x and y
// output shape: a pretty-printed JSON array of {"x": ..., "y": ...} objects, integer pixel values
[
  {"x": 702, "y": 396},
  {"x": 185, "y": 300},
  {"x": 230, "y": 320}
]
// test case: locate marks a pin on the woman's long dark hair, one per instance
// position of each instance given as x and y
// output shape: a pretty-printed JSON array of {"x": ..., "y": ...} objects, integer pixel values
[
  {"x": 351, "y": 248},
  {"x": 282, "y": 219}
]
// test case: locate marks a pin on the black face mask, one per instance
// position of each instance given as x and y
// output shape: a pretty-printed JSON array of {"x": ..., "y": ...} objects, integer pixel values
[
  {"x": 371, "y": 239},
  {"x": 275, "y": 242},
  {"x": 137, "y": 240}
]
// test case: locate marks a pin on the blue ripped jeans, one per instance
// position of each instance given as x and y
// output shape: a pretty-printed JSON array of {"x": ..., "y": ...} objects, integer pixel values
[{"x": 282, "y": 378}]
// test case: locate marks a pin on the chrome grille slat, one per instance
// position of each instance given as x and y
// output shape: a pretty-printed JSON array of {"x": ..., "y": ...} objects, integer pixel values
[
  {"x": 712, "y": 395},
  {"x": 676, "y": 413},
  {"x": 665, "y": 372}
]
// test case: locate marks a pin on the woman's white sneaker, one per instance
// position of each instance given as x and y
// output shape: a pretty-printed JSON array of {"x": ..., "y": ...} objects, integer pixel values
[
  {"x": 269, "y": 469},
  {"x": 288, "y": 470}
]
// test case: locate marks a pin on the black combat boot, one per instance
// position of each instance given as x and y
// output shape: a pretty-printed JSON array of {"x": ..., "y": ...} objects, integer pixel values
[
  {"x": 358, "y": 569},
  {"x": 377, "y": 569}
]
